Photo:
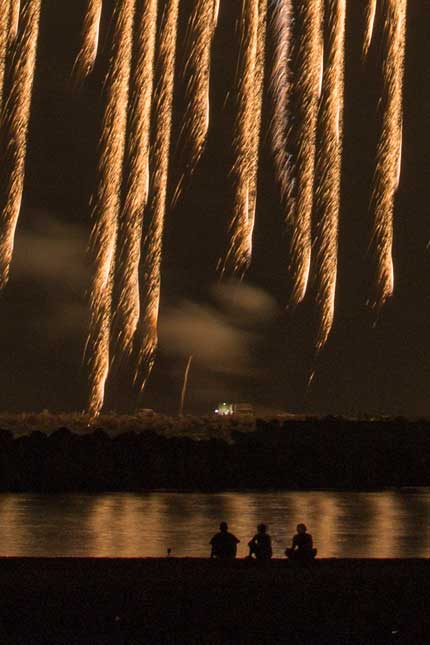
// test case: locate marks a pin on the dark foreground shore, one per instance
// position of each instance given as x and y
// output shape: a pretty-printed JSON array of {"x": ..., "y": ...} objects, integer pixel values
[{"x": 202, "y": 601}]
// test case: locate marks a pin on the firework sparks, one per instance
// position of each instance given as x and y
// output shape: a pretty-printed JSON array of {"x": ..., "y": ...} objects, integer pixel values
[
  {"x": 279, "y": 91},
  {"x": 4, "y": 39},
  {"x": 202, "y": 27},
  {"x": 308, "y": 85},
  {"x": 87, "y": 55},
  {"x": 370, "y": 24},
  {"x": 256, "y": 118},
  {"x": 107, "y": 202},
  {"x": 389, "y": 146},
  {"x": 185, "y": 385},
  {"x": 15, "y": 123},
  {"x": 153, "y": 241},
  {"x": 128, "y": 310},
  {"x": 15, "y": 9},
  {"x": 247, "y": 134},
  {"x": 329, "y": 168}
]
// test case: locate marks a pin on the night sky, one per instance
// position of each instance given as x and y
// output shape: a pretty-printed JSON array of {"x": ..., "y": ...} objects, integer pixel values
[{"x": 248, "y": 345}]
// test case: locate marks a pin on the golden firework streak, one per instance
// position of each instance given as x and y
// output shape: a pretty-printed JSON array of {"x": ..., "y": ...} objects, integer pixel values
[
  {"x": 131, "y": 220},
  {"x": 389, "y": 146},
  {"x": 256, "y": 118},
  {"x": 329, "y": 168},
  {"x": 16, "y": 118},
  {"x": 201, "y": 28},
  {"x": 15, "y": 9},
  {"x": 185, "y": 385},
  {"x": 279, "y": 90},
  {"x": 87, "y": 55},
  {"x": 107, "y": 201},
  {"x": 247, "y": 134},
  {"x": 370, "y": 24},
  {"x": 308, "y": 87},
  {"x": 153, "y": 241},
  {"x": 5, "y": 9}
]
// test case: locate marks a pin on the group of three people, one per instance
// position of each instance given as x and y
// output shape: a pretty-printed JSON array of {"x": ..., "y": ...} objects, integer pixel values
[{"x": 224, "y": 544}]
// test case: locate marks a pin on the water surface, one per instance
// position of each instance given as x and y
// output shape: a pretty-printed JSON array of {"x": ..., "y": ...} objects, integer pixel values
[{"x": 386, "y": 524}]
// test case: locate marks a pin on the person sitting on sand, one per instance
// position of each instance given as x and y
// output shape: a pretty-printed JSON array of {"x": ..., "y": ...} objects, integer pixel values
[
  {"x": 261, "y": 544},
  {"x": 303, "y": 548},
  {"x": 224, "y": 544}
]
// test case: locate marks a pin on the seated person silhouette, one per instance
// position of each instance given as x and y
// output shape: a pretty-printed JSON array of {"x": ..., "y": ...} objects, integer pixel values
[
  {"x": 303, "y": 548},
  {"x": 261, "y": 544},
  {"x": 224, "y": 544}
]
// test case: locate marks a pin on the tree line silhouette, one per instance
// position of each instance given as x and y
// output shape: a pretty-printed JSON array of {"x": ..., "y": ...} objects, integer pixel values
[{"x": 325, "y": 453}]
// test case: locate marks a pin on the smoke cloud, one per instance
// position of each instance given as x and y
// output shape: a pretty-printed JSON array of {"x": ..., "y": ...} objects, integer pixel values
[{"x": 221, "y": 336}]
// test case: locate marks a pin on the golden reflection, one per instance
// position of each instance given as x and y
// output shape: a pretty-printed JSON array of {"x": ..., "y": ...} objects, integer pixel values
[
  {"x": 12, "y": 529},
  {"x": 126, "y": 526},
  {"x": 386, "y": 525}
]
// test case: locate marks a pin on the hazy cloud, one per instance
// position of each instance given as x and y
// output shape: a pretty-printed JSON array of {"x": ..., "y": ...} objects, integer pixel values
[
  {"x": 203, "y": 332},
  {"x": 245, "y": 302}
]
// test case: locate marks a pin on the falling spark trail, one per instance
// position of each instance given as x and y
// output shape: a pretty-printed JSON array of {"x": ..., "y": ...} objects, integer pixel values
[
  {"x": 107, "y": 204},
  {"x": 389, "y": 147},
  {"x": 5, "y": 9},
  {"x": 256, "y": 117},
  {"x": 16, "y": 118},
  {"x": 128, "y": 310},
  {"x": 399, "y": 166},
  {"x": 247, "y": 135},
  {"x": 87, "y": 55},
  {"x": 202, "y": 27},
  {"x": 216, "y": 13},
  {"x": 370, "y": 24},
  {"x": 329, "y": 162},
  {"x": 279, "y": 91},
  {"x": 185, "y": 385},
  {"x": 308, "y": 85},
  {"x": 15, "y": 9},
  {"x": 153, "y": 241}
]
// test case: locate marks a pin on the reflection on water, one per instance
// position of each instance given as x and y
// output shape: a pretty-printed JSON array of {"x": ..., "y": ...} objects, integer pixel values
[{"x": 385, "y": 524}]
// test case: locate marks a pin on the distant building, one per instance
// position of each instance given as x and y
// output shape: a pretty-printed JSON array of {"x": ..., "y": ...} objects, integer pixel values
[{"x": 229, "y": 409}]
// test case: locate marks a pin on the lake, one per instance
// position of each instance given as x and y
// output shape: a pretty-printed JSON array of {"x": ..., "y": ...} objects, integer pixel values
[{"x": 344, "y": 524}]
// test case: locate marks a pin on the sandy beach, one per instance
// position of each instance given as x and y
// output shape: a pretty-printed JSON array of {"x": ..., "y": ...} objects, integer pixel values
[{"x": 105, "y": 601}]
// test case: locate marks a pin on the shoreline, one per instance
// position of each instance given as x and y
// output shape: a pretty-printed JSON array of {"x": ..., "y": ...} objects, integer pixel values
[{"x": 193, "y": 600}]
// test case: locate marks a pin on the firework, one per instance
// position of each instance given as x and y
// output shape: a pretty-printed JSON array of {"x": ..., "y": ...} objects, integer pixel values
[
  {"x": 185, "y": 385},
  {"x": 370, "y": 23},
  {"x": 247, "y": 131},
  {"x": 279, "y": 92},
  {"x": 202, "y": 27},
  {"x": 107, "y": 200},
  {"x": 153, "y": 240},
  {"x": 86, "y": 57},
  {"x": 14, "y": 18},
  {"x": 256, "y": 118},
  {"x": 308, "y": 87},
  {"x": 389, "y": 147},
  {"x": 4, "y": 38},
  {"x": 128, "y": 310},
  {"x": 329, "y": 167},
  {"x": 16, "y": 118}
]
